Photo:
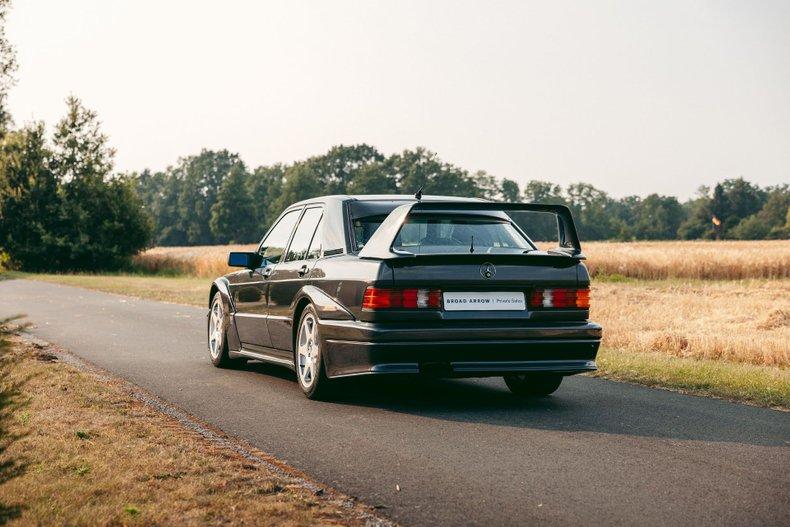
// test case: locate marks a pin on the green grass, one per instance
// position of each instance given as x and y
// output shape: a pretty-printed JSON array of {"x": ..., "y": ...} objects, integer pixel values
[
  {"x": 174, "y": 289},
  {"x": 760, "y": 385}
]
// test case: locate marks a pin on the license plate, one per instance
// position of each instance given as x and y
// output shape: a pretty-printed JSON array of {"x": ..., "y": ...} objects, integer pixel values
[{"x": 484, "y": 301}]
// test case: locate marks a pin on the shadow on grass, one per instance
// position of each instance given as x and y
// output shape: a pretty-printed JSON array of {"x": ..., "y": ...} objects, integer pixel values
[{"x": 11, "y": 400}]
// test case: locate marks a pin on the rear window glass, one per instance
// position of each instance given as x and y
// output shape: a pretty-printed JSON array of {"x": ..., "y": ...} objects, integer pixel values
[{"x": 441, "y": 234}]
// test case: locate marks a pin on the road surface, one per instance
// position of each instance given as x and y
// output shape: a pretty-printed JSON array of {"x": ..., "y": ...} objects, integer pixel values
[{"x": 461, "y": 452}]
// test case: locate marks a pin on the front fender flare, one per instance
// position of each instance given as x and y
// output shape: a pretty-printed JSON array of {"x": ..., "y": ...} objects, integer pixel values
[{"x": 223, "y": 286}]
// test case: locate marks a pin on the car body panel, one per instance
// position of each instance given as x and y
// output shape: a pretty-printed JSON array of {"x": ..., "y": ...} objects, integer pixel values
[{"x": 266, "y": 303}]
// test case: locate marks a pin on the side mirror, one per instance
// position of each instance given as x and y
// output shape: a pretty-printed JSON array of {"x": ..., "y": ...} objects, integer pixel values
[{"x": 247, "y": 260}]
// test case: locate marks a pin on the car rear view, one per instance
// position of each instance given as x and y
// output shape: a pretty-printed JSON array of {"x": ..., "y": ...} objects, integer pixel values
[{"x": 464, "y": 291}]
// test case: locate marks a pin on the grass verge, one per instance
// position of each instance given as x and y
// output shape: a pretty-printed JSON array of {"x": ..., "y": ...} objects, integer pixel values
[
  {"x": 77, "y": 448},
  {"x": 749, "y": 383},
  {"x": 186, "y": 290},
  {"x": 632, "y": 361}
]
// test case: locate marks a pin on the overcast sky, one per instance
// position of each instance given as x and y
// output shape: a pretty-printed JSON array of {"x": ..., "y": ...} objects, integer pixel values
[{"x": 634, "y": 97}]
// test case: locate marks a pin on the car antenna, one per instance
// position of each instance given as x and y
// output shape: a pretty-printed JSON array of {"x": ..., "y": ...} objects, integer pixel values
[
  {"x": 418, "y": 195},
  {"x": 472, "y": 245}
]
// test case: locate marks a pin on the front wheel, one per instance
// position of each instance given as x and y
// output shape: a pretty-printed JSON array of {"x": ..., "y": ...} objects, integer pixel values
[
  {"x": 310, "y": 373},
  {"x": 217, "y": 333},
  {"x": 533, "y": 384}
]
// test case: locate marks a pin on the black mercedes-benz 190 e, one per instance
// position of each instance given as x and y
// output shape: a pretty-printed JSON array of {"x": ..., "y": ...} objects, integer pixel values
[{"x": 360, "y": 285}]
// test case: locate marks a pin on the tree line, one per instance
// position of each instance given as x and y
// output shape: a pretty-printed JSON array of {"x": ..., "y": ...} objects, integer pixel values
[
  {"x": 213, "y": 198},
  {"x": 63, "y": 207}
]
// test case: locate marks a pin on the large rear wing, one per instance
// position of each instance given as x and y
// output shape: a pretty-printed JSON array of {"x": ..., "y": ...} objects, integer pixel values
[{"x": 380, "y": 245}]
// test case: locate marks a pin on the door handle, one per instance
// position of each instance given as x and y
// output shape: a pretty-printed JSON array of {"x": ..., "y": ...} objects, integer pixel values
[
  {"x": 267, "y": 272},
  {"x": 303, "y": 270}
]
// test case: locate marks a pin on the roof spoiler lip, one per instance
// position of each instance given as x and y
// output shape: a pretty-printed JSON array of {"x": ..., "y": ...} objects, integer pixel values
[{"x": 379, "y": 247}]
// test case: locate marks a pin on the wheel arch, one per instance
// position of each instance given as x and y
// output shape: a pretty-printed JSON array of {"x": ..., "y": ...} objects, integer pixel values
[
  {"x": 301, "y": 304},
  {"x": 221, "y": 285},
  {"x": 326, "y": 308}
]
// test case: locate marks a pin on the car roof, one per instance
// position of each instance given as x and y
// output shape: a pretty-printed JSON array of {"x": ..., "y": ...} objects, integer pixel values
[{"x": 380, "y": 197}]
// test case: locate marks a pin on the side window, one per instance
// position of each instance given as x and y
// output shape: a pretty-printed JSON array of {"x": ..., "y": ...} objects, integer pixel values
[
  {"x": 304, "y": 233},
  {"x": 318, "y": 242},
  {"x": 273, "y": 245}
]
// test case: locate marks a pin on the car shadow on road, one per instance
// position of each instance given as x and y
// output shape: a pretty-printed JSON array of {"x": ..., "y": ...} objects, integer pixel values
[{"x": 581, "y": 404}]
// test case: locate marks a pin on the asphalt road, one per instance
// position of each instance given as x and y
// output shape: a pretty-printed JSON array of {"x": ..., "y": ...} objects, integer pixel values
[{"x": 462, "y": 452}]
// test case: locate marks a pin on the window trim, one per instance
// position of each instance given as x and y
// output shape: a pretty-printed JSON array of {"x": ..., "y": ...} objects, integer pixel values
[
  {"x": 296, "y": 227},
  {"x": 300, "y": 210}
]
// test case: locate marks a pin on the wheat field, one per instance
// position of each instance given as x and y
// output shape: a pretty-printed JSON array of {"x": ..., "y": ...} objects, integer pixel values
[
  {"x": 703, "y": 260},
  {"x": 202, "y": 261},
  {"x": 736, "y": 321}
]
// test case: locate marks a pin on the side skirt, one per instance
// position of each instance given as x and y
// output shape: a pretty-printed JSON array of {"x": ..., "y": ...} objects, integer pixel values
[{"x": 263, "y": 357}]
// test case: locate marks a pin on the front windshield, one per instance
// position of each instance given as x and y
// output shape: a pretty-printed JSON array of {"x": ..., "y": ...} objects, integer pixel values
[{"x": 441, "y": 234}]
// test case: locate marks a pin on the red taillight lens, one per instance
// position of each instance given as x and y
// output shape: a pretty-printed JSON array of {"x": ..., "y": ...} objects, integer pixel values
[
  {"x": 559, "y": 298},
  {"x": 378, "y": 298},
  {"x": 375, "y": 298}
]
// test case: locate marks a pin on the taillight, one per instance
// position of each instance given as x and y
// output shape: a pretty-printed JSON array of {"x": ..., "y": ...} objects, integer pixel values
[
  {"x": 378, "y": 298},
  {"x": 561, "y": 298}
]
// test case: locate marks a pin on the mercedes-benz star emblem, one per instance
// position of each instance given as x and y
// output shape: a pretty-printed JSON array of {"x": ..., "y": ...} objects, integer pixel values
[{"x": 487, "y": 270}]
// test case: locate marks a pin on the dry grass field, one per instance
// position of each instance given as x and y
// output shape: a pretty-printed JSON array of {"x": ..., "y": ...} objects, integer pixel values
[
  {"x": 207, "y": 261},
  {"x": 703, "y": 260},
  {"x": 736, "y": 321}
]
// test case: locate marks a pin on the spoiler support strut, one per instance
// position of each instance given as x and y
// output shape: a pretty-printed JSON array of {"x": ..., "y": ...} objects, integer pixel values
[{"x": 379, "y": 246}]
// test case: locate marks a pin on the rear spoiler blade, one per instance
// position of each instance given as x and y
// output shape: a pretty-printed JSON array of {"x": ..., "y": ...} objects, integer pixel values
[{"x": 379, "y": 246}]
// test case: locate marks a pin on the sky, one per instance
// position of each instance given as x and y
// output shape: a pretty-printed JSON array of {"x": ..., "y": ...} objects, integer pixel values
[{"x": 632, "y": 96}]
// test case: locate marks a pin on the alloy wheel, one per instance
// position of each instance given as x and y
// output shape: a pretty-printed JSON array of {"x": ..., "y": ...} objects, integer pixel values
[
  {"x": 307, "y": 355},
  {"x": 216, "y": 329}
]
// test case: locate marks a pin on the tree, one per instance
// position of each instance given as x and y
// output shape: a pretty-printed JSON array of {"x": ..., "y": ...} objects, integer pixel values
[
  {"x": 486, "y": 186},
  {"x": 233, "y": 214},
  {"x": 509, "y": 191},
  {"x": 421, "y": 168},
  {"x": 337, "y": 168},
  {"x": 594, "y": 212},
  {"x": 653, "y": 218},
  {"x": 698, "y": 223},
  {"x": 264, "y": 186},
  {"x": 374, "y": 178},
  {"x": 769, "y": 222},
  {"x": 200, "y": 178},
  {"x": 543, "y": 192},
  {"x": 8, "y": 66},
  {"x": 103, "y": 218},
  {"x": 30, "y": 205},
  {"x": 302, "y": 181}
]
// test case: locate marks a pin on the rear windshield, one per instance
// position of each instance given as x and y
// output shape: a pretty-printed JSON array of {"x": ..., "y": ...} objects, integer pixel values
[{"x": 442, "y": 234}]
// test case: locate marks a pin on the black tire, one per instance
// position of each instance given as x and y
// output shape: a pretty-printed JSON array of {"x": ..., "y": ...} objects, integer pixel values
[
  {"x": 533, "y": 384},
  {"x": 310, "y": 373},
  {"x": 217, "y": 341}
]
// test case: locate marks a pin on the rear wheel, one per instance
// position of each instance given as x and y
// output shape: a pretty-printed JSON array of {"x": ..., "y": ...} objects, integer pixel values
[
  {"x": 533, "y": 384},
  {"x": 310, "y": 373}
]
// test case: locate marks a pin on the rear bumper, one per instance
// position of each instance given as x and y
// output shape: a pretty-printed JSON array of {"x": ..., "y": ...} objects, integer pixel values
[{"x": 472, "y": 350}]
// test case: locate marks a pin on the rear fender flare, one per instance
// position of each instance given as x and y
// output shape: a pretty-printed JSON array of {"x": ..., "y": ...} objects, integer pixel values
[{"x": 326, "y": 307}]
